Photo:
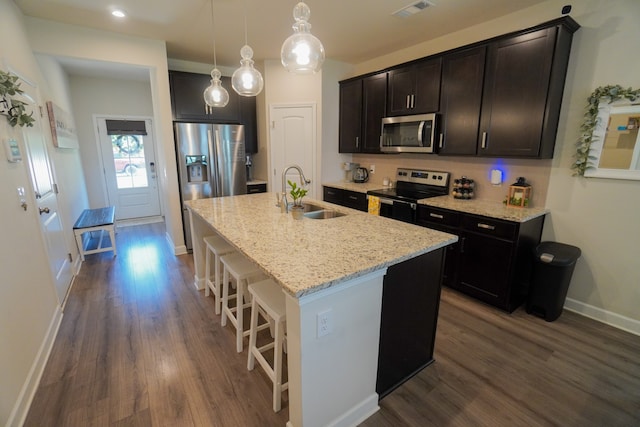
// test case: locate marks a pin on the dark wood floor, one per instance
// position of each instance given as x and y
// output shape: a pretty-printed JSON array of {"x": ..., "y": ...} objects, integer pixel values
[{"x": 140, "y": 346}]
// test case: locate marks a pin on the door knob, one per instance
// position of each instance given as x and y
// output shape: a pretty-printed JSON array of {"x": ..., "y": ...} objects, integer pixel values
[{"x": 43, "y": 210}]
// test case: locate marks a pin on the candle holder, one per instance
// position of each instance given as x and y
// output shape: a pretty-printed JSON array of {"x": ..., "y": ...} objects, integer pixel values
[{"x": 519, "y": 194}]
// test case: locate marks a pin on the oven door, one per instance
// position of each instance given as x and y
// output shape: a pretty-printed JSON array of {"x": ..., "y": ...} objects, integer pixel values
[{"x": 398, "y": 209}]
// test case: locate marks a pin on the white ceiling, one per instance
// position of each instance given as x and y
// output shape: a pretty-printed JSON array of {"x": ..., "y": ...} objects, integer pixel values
[{"x": 351, "y": 30}]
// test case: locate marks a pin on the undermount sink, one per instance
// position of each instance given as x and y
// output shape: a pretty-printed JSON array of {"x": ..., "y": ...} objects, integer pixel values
[
  {"x": 323, "y": 214},
  {"x": 308, "y": 207}
]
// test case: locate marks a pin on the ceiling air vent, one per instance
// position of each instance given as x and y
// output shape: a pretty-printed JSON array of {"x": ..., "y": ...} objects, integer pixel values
[{"x": 413, "y": 8}]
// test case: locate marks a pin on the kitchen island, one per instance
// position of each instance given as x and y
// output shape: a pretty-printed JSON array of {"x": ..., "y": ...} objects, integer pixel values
[{"x": 334, "y": 267}]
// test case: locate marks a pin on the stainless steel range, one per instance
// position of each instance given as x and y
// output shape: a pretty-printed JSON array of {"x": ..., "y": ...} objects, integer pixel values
[{"x": 412, "y": 185}]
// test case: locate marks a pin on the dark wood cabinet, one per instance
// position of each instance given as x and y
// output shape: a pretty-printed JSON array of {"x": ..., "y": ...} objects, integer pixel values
[
  {"x": 461, "y": 100},
  {"x": 187, "y": 103},
  {"x": 362, "y": 107},
  {"x": 256, "y": 188},
  {"x": 493, "y": 259},
  {"x": 517, "y": 101},
  {"x": 350, "y": 199},
  {"x": 414, "y": 88}
]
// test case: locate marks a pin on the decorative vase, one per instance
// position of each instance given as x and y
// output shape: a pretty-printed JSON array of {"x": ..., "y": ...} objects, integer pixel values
[{"x": 297, "y": 212}]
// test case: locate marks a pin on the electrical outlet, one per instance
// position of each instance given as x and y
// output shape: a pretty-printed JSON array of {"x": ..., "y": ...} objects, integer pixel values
[
  {"x": 372, "y": 169},
  {"x": 324, "y": 323}
]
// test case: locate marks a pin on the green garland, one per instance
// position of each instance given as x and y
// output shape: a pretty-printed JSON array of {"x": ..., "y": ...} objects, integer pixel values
[
  {"x": 604, "y": 93},
  {"x": 17, "y": 112}
]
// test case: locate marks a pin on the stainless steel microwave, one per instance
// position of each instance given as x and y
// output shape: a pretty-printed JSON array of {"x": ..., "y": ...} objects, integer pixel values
[{"x": 409, "y": 134}]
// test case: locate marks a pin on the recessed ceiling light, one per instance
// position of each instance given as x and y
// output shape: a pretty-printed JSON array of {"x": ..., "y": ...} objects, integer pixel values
[
  {"x": 413, "y": 8},
  {"x": 118, "y": 13}
]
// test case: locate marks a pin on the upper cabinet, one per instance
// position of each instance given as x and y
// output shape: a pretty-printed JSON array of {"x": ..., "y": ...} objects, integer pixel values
[
  {"x": 362, "y": 107},
  {"x": 496, "y": 98},
  {"x": 461, "y": 100},
  {"x": 523, "y": 85},
  {"x": 414, "y": 88},
  {"x": 187, "y": 103}
]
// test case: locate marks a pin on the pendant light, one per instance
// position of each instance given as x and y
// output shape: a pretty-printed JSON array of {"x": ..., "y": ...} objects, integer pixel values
[
  {"x": 302, "y": 52},
  {"x": 246, "y": 80},
  {"x": 215, "y": 95}
]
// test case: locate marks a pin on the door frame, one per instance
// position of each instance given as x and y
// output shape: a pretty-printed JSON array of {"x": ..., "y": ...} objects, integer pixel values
[
  {"x": 315, "y": 147},
  {"x": 96, "y": 133}
]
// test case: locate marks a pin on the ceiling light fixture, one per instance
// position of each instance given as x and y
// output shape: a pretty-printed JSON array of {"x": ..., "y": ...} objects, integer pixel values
[
  {"x": 246, "y": 80},
  {"x": 413, "y": 8},
  {"x": 302, "y": 52},
  {"x": 215, "y": 95},
  {"x": 118, "y": 13}
]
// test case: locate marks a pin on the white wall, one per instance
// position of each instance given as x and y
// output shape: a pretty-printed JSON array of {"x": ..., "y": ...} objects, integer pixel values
[
  {"x": 29, "y": 308},
  {"x": 103, "y": 96},
  {"x": 597, "y": 215},
  {"x": 62, "y": 40}
]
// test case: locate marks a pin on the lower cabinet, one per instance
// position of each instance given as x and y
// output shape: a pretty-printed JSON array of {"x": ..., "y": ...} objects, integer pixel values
[
  {"x": 350, "y": 199},
  {"x": 493, "y": 258},
  {"x": 256, "y": 188}
]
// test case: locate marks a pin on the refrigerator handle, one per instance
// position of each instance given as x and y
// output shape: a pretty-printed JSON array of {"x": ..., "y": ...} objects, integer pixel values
[{"x": 213, "y": 162}]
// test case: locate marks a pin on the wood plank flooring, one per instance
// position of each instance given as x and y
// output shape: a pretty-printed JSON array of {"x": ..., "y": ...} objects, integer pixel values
[{"x": 140, "y": 346}]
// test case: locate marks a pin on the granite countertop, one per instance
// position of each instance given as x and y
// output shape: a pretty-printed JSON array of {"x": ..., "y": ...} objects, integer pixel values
[
  {"x": 308, "y": 255},
  {"x": 355, "y": 186},
  {"x": 485, "y": 208}
]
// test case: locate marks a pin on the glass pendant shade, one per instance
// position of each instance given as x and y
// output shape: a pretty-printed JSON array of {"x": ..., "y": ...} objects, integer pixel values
[
  {"x": 215, "y": 95},
  {"x": 302, "y": 52},
  {"x": 246, "y": 80}
]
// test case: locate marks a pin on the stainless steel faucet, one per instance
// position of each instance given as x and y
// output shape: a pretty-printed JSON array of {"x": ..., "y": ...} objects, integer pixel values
[{"x": 283, "y": 203}]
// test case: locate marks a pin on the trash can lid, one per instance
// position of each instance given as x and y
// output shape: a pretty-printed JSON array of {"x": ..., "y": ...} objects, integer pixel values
[{"x": 555, "y": 253}]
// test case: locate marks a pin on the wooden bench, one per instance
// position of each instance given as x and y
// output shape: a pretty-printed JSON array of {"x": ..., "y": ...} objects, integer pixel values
[{"x": 101, "y": 219}]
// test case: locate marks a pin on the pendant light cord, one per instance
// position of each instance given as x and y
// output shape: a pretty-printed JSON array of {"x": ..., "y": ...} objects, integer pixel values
[
  {"x": 246, "y": 42},
  {"x": 213, "y": 27}
]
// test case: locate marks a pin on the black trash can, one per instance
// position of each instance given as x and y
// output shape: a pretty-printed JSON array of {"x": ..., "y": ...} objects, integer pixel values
[{"x": 552, "y": 270}]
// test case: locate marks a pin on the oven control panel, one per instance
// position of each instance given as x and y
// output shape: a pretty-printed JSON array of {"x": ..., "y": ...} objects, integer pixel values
[{"x": 425, "y": 177}]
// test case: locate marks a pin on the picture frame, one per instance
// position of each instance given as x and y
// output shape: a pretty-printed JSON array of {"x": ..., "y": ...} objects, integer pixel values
[{"x": 63, "y": 132}]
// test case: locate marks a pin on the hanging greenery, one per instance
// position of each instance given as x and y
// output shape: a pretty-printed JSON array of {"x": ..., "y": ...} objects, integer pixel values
[
  {"x": 14, "y": 109},
  {"x": 607, "y": 94}
]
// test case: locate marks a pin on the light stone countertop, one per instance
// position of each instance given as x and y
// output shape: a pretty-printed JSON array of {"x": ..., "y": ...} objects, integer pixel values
[
  {"x": 354, "y": 186},
  {"x": 308, "y": 255},
  {"x": 485, "y": 208}
]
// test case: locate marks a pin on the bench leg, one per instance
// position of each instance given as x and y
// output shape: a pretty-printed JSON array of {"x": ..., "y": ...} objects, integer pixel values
[{"x": 80, "y": 245}]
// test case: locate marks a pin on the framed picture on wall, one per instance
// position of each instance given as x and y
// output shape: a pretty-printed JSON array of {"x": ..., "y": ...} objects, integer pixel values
[{"x": 63, "y": 130}]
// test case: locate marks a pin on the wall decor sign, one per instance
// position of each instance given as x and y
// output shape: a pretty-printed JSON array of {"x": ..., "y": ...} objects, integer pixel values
[{"x": 63, "y": 130}]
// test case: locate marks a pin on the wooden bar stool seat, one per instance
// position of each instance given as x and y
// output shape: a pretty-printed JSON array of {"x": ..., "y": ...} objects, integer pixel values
[
  {"x": 267, "y": 297},
  {"x": 242, "y": 270},
  {"x": 216, "y": 248}
]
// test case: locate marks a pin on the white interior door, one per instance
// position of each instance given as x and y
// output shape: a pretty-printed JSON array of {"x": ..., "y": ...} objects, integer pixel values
[
  {"x": 47, "y": 199},
  {"x": 293, "y": 142},
  {"x": 129, "y": 165}
]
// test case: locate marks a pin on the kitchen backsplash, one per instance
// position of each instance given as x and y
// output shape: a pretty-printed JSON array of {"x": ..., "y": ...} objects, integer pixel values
[{"x": 479, "y": 169}]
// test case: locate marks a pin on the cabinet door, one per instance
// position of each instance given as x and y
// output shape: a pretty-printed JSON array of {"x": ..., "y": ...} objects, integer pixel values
[
  {"x": 402, "y": 82},
  {"x": 446, "y": 221},
  {"x": 355, "y": 200},
  {"x": 350, "y": 126},
  {"x": 333, "y": 195},
  {"x": 484, "y": 265},
  {"x": 427, "y": 91},
  {"x": 374, "y": 102},
  {"x": 462, "y": 78},
  {"x": 187, "y": 95},
  {"x": 515, "y": 94},
  {"x": 248, "y": 118}
]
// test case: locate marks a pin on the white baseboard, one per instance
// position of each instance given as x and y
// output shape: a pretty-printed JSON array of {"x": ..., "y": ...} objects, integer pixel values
[
  {"x": 21, "y": 408},
  {"x": 177, "y": 250},
  {"x": 603, "y": 316}
]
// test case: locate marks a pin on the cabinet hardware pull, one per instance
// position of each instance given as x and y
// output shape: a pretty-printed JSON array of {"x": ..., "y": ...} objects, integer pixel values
[
  {"x": 483, "y": 145},
  {"x": 413, "y": 101},
  {"x": 357, "y": 142},
  {"x": 433, "y": 215},
  {"x": 486, "y": 226},
  {"x": 441, "y": 138},
  {"x": 462, "y": 244},
  {"x": 353, "y": 197}
]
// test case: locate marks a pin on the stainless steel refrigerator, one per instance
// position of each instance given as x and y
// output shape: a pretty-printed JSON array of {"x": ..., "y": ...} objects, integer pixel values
[{"x": 211, "y": 163}]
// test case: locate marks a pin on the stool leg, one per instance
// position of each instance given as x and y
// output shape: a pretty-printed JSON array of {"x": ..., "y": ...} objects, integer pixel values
[
  {"x": 253, "y": 333},
  {"x": 240, "y": 314},
  {"x": 225, "y": 296},
  {"x": 217, "y": 283},
  {"x": 277, "y": 368},
  {"x": 207, "y": 272}
]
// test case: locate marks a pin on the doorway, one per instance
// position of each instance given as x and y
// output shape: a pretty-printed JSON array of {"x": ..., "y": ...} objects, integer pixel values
[
  {"x": 293, "y": 141},
  {"x": 128, "y": 161}
]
